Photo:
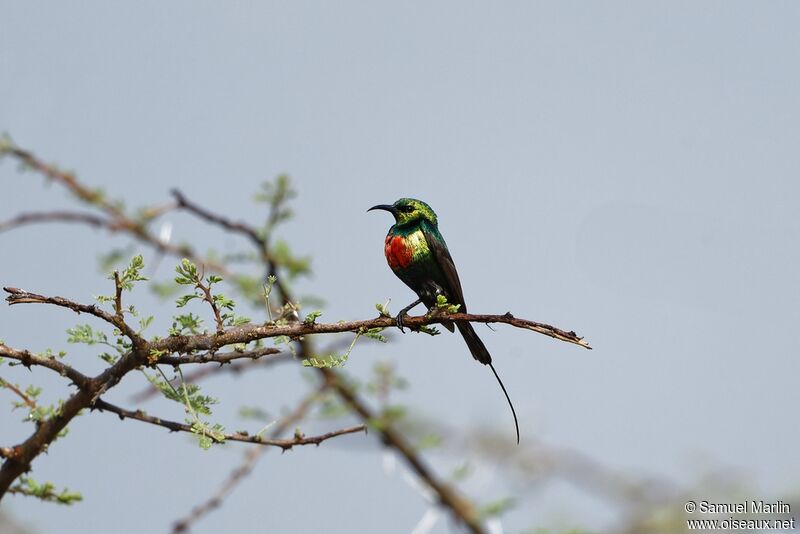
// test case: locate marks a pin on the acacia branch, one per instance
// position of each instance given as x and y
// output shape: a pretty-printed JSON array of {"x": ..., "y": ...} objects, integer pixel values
[
  {"x": 221, "y": 358},
  {"x": 20, "y": 296},
  {"x": 29, "y": 402},
  {"x": 54, "y": 216},
  {"x": 219, "y": 220},
  {"x": 174, "y": 426},
  {"x": 19, "y": 457},
  {"x": 118, "y": 221},
  {"x": 249, "y": 333},
  {"x": 28, "y": 359},
  {"x": 246, "y": 334},
  {"x": 65, "y": 178},
  {"x": 260, "y": 240},
  {"x": 209, "y": 298}
]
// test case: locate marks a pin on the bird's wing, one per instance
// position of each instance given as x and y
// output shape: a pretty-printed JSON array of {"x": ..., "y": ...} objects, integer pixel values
[{"x": 443, "y": 259}]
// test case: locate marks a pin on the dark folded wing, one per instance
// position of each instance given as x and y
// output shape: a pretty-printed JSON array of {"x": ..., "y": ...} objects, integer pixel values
[{"x": 442, "y": 257}]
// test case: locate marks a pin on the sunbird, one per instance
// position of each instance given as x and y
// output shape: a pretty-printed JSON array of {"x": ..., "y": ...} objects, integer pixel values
[{"x": 417, "y": 254}]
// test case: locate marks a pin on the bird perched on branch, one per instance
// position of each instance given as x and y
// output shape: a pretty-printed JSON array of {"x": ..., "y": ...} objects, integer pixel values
[{"x": 418, "y": 255}]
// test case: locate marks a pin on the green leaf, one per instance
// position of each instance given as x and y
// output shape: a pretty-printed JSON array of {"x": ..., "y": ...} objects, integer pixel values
[
  {"x": 375, "y": 333},
  {"x": 188, "y": 323},
  {"x": 429, "y": 441},
  {"x": 443, "y": 305},
  {"x": 208, "y": 435},
  {"x": 430, "y": 330},
  {"x": 496, "y": 507},
  {"x": 277, "y": 192},
  {"x": 110, "y": 359},
  {"x": 196, "y": 402},
  {"x": 223, "y": 302},
  {"x": 132, "y": 273},
  {"x": 46, "y": 491},
  {"x": 184, "y": 300},
  {"x": 461, "y": 472},
  {"x": 294, "y": 265},
  {"x": 83, "y": 333},
  {"x": 383, "y": 309},
  {"x": 312, "y": 317},
  {"x": 326, "y": 362},
  {"x": 187, "y": 273},
  {"x": 144, "y": 322},
  {"x": 230, "y": 319}
]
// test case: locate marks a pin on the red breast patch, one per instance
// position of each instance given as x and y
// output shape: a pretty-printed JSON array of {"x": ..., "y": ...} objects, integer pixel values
[{"x": 398, "y": 252}]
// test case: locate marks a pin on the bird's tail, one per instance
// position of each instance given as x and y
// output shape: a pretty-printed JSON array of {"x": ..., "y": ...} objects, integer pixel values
[
  {"x": 479, "y": 352},
  {"x": 476, "y": 346}
]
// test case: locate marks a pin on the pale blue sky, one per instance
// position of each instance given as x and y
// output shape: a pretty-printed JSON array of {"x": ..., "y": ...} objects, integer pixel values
[{"x": 627, "y": 170}]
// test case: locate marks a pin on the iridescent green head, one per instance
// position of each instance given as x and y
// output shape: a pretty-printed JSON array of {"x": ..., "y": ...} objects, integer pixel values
[{"x": 408, "y": 210}]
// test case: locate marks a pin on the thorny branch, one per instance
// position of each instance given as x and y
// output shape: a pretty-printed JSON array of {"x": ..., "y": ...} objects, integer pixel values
[
  {"x": 19, "y": 296},
  {"x": 117, "y": 222},
  {"x": 285, "y": 444},
  {"x": 54, "y": 216},
  {"x": 206, "y": 289},
  {"x": 237, "y": 227},
  {"x": 260, "y": 240},
  {"x": 29, "y": 402},
  {"x": 246, "y": 334},
  {"x": 298, "y": 330},
  {"x": 221, "y": 357},
  {"x": 29, "y": 359}
]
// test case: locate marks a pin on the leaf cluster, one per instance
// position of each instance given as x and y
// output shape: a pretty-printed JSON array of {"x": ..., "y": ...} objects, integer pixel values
[{"x": 45, "y": 491}]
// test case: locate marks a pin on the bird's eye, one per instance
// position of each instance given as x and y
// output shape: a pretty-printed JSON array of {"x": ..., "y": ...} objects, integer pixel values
[{"x": 407, "y": 209}]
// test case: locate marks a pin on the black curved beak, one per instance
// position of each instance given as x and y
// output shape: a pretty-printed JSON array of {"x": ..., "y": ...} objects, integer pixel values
[{"x": 385, "y": 207}]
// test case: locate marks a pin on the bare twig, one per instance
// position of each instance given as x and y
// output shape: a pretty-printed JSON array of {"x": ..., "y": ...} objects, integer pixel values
[
  {"x": 54, "y": 216},
  {"x": 118, "y": 297},
  {"x": 174, "y": 426},
  {"x": 19, "y": 296},
  {"x": 209, "y": 298},
  {"x": 29, "y": 402},
  {"x": 219, "y": 220},
  {"x": 29, "y": 359},
  {"x": 219, "y": 357},
  {"x": 94, "y": 197},
  {"x": 260, "y": 240},
  {"x": 118, "y": 222}
]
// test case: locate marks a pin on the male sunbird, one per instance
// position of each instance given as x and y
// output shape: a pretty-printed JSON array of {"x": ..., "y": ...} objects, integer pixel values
[{"x": 418, "y": 255}]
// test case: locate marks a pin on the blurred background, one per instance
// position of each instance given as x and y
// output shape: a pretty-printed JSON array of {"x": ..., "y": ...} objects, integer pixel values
[{"x": 627, "y": 171}]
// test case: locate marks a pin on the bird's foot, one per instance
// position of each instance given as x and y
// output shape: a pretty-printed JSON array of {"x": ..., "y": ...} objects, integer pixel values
[{"x": 399, "y": 321}]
